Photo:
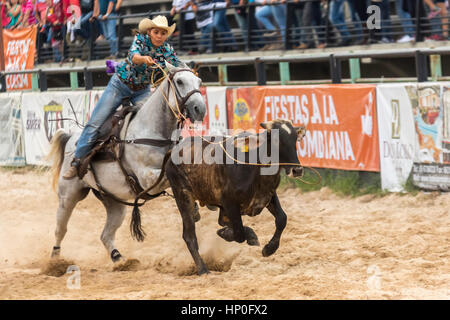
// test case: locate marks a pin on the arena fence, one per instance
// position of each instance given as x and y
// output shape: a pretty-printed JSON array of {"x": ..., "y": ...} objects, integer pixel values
[
  {"x": 427, "y": 67},
  {"x": 401, "y": 130}
]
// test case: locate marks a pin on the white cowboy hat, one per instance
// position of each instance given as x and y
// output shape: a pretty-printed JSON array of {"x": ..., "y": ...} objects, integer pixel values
[{"x": 157, "y": 22}]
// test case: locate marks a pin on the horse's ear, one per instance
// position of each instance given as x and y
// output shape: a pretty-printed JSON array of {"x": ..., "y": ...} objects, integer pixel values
[
  {"x": 183, "y": 65},
  {"x": 170, "y": 67}
]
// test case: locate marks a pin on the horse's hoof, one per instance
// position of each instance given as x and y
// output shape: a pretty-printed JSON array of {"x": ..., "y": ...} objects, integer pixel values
[
  {"x": 56, "y": 252},
  {"x": 203, "y": 271},
  {"x": 116, "y": 256}
]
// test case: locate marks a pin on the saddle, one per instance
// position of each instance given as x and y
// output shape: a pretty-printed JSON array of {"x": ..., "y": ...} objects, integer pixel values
[
  {"x": 110, "y": 145},
  {"x": 107, "y": 147}
]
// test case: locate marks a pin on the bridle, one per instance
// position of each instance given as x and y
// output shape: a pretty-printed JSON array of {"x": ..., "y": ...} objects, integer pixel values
[{"x": 180, "y": 101}]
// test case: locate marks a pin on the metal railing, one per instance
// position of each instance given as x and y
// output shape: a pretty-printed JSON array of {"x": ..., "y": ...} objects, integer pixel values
[
  {"x": 422, "y": 59},
  {"x": 254, "y": 37}
]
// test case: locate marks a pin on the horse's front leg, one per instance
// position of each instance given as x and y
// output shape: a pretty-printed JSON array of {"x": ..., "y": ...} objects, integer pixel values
[{"x": 280, "y": 223}]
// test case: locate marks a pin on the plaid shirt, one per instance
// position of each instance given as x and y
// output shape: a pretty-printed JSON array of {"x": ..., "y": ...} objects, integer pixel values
[{"x": 135, "y": 74}]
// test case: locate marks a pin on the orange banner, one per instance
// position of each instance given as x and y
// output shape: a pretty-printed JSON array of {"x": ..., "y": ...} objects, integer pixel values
[
  {"x": 340, "y": 120},
  {"x": 20, "y": 49}
]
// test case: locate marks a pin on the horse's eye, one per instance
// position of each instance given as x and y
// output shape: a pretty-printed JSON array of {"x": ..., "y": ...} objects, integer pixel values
[{"x": 179, "y": 82}]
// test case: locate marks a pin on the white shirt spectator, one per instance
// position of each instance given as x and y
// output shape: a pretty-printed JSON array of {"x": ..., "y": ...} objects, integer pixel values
[{"x": 179, "y": 5}]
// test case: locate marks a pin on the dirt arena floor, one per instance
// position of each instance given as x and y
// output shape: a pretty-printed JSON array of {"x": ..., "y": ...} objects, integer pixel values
[{"x": 392, "y": 247}]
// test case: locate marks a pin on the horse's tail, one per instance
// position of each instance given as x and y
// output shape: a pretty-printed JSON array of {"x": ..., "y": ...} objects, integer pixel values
[{"x": 56, "y": 154}]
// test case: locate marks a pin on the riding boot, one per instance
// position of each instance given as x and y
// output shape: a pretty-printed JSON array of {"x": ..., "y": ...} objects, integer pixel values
[{"x": 72, "y": 172}]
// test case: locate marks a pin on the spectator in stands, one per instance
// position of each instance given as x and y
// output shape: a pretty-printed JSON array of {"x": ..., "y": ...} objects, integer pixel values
[
  {"x": 205, "y": 21},
  {"x": 53, "y": 21},
  {"x": 29, "y": 13},
  {"x": 14, "y": 10},
  {"x": 278, "y": 8},
  {"x": 337, "y": 18},
  {"x": 107, "y": 10},
  {"x": 438, "y": 7},
  {"x": 220, "y": 23},
  {"x": 240, "y": 14},
  {"x": 264, "y": 16},
  {"x": 312, "y": 17},
  {"x": 385, "y": 32},
  {"x": 407, "y": 24},
  {"x": 41, "y": 9},
  {"x": 131, "y": 79},
  {"x": 4, "y": 13},
  {"x": 83, "y": 29},
  {"x": 188, "y": 25},
  {"x": 297, "y": 18}
]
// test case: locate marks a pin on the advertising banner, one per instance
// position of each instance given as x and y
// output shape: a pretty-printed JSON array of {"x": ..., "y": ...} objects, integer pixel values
[
  {"x": 20, "y": 48},
  {"x": 217, "y": 110},
  {"x": 431, "y": 116},
  {"x": 12, "y": 152},
  {"x": 340, "y": 120},
  {"x": 397, "y": 134},
  {"x": 43, "y": 114}
]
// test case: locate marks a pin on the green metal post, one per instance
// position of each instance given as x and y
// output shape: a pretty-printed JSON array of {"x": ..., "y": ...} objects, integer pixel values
[
  {"x": 223, "y": 74},
  {"x": 285, "y": 76},
  {"x": 435, "y": 66},
  {"x": 34, "y": 82},
  {"x": 355, "y": 69},
  {"x": 74, "y": 80}
]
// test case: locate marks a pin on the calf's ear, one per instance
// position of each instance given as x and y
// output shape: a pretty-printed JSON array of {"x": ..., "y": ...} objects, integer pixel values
[{"x": 301, "y": 131}]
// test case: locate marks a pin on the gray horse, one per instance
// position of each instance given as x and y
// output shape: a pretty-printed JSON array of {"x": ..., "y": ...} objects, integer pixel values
[{"x": 156, "y": 119}]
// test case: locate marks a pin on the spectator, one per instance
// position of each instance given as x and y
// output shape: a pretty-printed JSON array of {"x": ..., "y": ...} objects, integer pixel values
[
  {"x": 312, "y": 17},
  {"x": 297, "y": 15},
  {"x": 29, "y": 12},
  {"x": 386, "y": 30},
  {"x": 83, "y": 29},
  {"x": 337, "y": 18},
  {"x": 14, "y": 13},
  {"x": 264, "y": 16},
  {"x": 41, "y": 9},
  {"x": 240, "y": 14},
  {"x": 4, "y": 13},
  {"x": 411, "y": 7},
  {"x": 53, "y": 21},
  {"x": 407, "y": 24},
  {"x": 188, "y": 25},
  {"x": 438, "y": 7},
  {"x": 107, "y": 11},
  {"x": 278, "y": 8},
  {"x": 205, "y": 21},
  {"x": 220, "y": 23}
]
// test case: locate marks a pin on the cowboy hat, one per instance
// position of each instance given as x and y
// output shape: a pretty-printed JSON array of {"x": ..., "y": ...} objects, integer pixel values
[{"x": 157, "y": 22}]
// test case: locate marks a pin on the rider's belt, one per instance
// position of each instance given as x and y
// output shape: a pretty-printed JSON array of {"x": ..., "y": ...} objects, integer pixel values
[{"x": 135, "y": 87}]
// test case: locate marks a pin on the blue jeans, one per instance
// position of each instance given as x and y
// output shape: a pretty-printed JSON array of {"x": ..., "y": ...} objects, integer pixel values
[
  {"x": 279, "y": 13},
  {"x": 205, "y": 41},
  {"x": 109, "y": 31},
  {"x": 84, "y": 30},
  {"x": 221, "y": 25},
  {"x": 337, "y": 17},
  {"x": 110, "y": 100},
  {"x": 263, "y": 15},
  {"x": 408, "y": 26}
]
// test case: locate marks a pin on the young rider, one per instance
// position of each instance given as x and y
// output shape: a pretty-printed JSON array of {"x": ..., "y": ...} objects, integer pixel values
[{"x": 131, "y": 79}]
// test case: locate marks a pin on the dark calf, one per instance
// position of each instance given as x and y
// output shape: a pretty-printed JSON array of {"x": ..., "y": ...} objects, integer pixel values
[{"x": 237, "y": 189}]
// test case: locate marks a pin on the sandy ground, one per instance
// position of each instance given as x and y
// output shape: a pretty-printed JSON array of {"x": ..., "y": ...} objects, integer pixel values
[{"x": 394, "y": 247}]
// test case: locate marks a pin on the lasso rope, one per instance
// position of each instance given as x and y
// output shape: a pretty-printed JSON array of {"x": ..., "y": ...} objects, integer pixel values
[{"x": 221, "y": 143}]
